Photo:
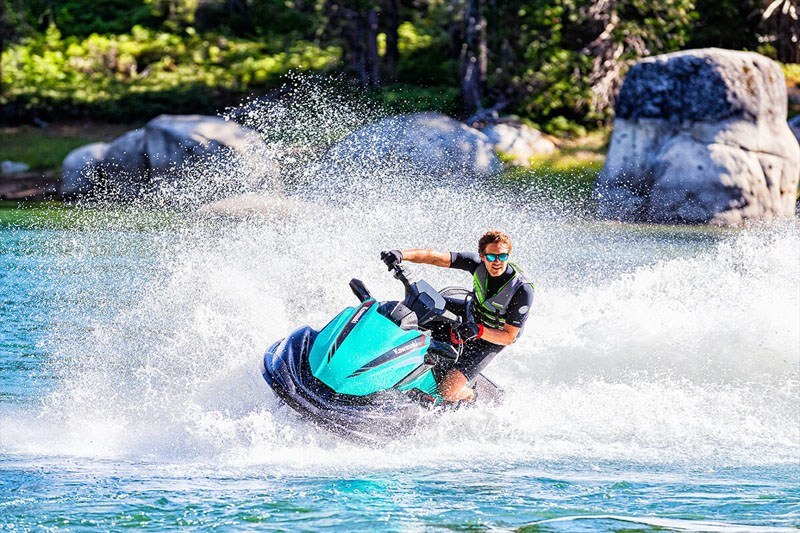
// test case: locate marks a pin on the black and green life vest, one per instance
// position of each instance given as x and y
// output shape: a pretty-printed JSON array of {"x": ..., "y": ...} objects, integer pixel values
[{"x": 492, "y": 312}]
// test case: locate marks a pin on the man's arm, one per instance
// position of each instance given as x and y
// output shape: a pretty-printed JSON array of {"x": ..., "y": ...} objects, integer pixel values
[
  {"x": 428, "y": 257},
  {"x": 503, "y": 337},
  {"x": 519, "y": 306}
]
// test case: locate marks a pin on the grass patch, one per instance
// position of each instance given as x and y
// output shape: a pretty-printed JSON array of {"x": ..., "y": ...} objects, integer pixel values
[
  {"x": 579, "y": 158},
  {"x": 792, "y": 73},
  {"x": 38, "y": 214},
  {"x": 559, "y": 180},
  {"x": 43, "y": 149},
  {"x": 567, "y": 176},
  {"x": 59, "y": 216}
]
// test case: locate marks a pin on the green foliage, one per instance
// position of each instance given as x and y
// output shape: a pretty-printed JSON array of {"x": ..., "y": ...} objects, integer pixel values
[
  {"x": 570, "y": 182},
  {"x": 557, "y": 63},
  {"x": 84, "y": 17},
  {"x": 729, "y": 24},
  {"x": 405, "y": 98},
  {"x": 569, "y": 49},
  {"x": 424, "y": 59},
  {"x": 568, "y": 176},
  {"x": 175, "y": 14},
  {"x": 286, "y": 19},
  {"x": 146, "y": 72},
  {"x": 792, "y": 73}
]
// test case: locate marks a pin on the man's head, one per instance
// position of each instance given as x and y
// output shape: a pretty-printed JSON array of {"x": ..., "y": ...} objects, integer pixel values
[{"x": 494, "y": 248}]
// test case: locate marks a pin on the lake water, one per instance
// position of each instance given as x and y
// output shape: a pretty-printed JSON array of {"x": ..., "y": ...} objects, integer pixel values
[{"x": 656, "y": 385}]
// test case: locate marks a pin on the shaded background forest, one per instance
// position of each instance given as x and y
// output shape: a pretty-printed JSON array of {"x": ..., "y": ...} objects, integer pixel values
[{"x": 557, "y": 64}]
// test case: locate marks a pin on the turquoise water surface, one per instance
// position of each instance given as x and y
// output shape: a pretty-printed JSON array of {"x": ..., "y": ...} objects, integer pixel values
[{"x": 655, "y": 387}]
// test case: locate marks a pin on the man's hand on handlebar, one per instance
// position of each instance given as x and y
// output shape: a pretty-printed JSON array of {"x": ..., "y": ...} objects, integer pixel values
[
  {"x": 470, "y": 331},
  {"x": 392, "y": 258}
]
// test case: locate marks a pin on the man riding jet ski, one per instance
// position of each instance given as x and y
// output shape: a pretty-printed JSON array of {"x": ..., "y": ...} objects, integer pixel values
[
  {"x": 501, "y": 299},
  {"x": 373, "y": 371}
]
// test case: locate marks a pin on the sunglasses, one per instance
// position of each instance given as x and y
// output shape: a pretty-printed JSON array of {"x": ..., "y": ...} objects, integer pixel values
[{"x": 492, "y": 257}]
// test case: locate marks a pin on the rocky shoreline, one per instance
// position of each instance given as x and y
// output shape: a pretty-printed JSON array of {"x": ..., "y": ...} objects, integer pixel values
[
  {"x": 700, "y": 137},
  {"x": 30, "y": 186}
]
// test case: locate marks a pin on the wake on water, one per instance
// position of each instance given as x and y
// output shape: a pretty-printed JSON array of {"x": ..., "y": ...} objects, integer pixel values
[{"x": 646, "y": 345}]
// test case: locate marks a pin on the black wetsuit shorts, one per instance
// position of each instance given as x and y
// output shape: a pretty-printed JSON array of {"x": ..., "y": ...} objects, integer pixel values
[{"x": 475, "y": 355}]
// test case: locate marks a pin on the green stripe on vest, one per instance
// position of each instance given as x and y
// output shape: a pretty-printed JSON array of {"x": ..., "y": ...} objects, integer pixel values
[{"x": 492, "y": 312}]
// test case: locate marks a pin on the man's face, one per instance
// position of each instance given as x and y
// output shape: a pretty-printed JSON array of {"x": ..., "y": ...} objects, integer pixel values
[{"x": 497, "y": 266}]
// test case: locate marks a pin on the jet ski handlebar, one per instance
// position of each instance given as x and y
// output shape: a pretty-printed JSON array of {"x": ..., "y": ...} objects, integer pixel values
[
  {"x": 451, "y": 318},
  {"x": 423, "y": 299}
]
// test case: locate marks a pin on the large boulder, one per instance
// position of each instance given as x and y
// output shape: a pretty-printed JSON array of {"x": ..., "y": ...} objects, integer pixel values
[
  {"x": 125, "y": 167},
  {"x": 420, "y": 145},
  {"x": 519, "y": 142},
  {"x": 171, "y": 148},
  {"x": 701, "y": 136},
  {"x": 172, "y": 140},
  {"x": 80, "y": 171}
]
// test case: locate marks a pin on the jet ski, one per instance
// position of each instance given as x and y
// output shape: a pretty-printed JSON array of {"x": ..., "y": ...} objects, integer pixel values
[{"x": 371, "y": 373}]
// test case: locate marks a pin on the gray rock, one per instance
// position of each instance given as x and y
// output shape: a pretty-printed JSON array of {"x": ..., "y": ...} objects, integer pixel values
[
  {"x": 420, "y": 146},
  {"x": 80, "y": 171},
  {"x": 125, "y": 165},
  {"x": 245, "y": 206},
  {"x": 220, "y": 157},
  {"x": 701, "y": 137},
  {"x": 519, "y": 142},
  {"x": 173, "y": 141},
  {"x": 13, "y": 167}
]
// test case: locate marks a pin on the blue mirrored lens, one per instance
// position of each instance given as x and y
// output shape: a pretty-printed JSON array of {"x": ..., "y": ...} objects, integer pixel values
[{"x": 492, "y": 257}]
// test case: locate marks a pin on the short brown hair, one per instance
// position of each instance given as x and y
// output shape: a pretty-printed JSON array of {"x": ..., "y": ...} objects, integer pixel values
[{"x": 491, "y": 237}]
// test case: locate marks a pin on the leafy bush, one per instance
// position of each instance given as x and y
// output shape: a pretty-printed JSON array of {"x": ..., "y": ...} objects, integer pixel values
[
  {"x": 146, "y": 72},
  {"x": 424, "y": 57},
  {"x": 576, "y": 51},
  {"x": 406, "y": 98},
  {"x": 84, "y": 17},
  {"x": 555, "y": 63},
  {"x": 792, "y": 73}
]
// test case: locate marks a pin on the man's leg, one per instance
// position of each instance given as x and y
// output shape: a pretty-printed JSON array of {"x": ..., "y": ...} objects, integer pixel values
[
  {"x": 454, "y": 386},
  {"x": 476, "y": 355}
]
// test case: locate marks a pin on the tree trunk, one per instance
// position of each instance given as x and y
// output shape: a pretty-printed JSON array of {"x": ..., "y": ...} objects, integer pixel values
[
  {"x": 607, "y": 63},
  {"x": 359, "y": 51},
  {"x": 506, "y": 30},
  {"x": 238, "y": 7},
  {"x": 784, "y": 16},
  {"x": 2, "y": 40},
  {"x": 473, "y": 57},
  {"x": 350, "y": 25},
  {"x": 373, "y": 59},
  {"x": 390, "y": 13},
  {"x": 483, "y": 49},
  {"x": 357, "y": 25}
]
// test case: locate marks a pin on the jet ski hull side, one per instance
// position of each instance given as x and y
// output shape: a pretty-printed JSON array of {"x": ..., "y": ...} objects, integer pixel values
[{"x": 285, "y": 368}]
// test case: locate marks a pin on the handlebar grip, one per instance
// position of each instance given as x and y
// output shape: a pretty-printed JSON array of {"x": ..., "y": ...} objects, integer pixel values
[
  {"x": 468, "y": 310},
  {"x": 452, "y": 317}
]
